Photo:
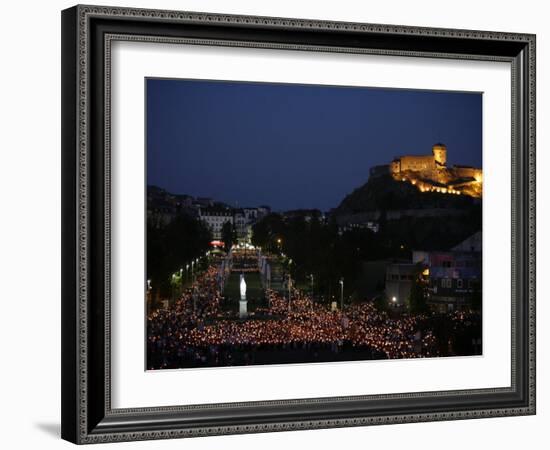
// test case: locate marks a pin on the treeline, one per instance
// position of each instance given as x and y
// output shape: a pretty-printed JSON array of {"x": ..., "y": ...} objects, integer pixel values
[
  {"x": 172, "y": 246},
  {"x": 317, "y": 248}
]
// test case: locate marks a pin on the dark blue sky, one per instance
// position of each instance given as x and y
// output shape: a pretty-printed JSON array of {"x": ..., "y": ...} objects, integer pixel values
[{"x": 295, "y": 146}]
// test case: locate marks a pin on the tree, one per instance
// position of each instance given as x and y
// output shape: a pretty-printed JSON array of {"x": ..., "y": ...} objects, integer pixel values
[
  {"x": 229, "y": 235},
  {"x": 417, "y": 297},
  {"x": 477, "y": 298},
  {"x": 171, "y": 247},
  {"x": 266, "y": 231},
  {"x": 381, "y": 303}
]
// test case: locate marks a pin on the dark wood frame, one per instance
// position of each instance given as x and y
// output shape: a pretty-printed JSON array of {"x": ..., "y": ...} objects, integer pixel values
[{"x": 87, "y": 31}]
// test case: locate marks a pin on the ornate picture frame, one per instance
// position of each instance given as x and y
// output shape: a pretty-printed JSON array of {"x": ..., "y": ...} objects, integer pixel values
[{"x": 87, "y": 35}]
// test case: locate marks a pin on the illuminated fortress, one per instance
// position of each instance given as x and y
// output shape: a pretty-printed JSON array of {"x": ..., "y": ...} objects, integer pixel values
[{"x": 429, "y": 173}]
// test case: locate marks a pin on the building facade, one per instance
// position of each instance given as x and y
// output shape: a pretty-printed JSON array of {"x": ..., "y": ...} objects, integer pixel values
[
  {"x": 241, "y": 219},
  {"x": 215, "y": 218},
  {"x": 400, "y": 277},
  {"x": 455, "y": 276}
]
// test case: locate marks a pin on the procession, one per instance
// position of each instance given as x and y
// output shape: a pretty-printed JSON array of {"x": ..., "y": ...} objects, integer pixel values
[{"x": 197, "y": 330}]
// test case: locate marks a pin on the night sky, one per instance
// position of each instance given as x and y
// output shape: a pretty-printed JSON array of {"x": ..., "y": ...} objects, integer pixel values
[{"x": 295, "y": 146}]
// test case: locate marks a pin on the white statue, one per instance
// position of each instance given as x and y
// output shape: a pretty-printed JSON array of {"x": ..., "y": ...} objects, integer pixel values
[{"x": 243, "y": 288}]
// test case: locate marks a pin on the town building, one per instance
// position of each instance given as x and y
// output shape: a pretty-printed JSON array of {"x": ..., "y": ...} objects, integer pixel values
[
  {"x": 359, "y": 225},
  {"x": 242, "y": 219},
  {"x": 455, "y": 276},
  {"x": 241, "y": 224},
  {"x": 163, "y": 207},
  {"x": 472, "y": 244},
  {"x": 307, "y": 214},
  {"x": 245, "y": 218},
  {"x": 400, "y": 277},
  {"x": 215, "y": 218}
]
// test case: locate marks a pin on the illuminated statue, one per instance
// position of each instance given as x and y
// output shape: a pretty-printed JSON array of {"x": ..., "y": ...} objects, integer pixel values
[
  {"x": 243, "y": 287},
  {"x": 243, "y": 309}
]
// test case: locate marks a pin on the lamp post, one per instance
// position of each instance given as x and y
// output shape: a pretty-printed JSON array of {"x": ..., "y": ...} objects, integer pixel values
[
  {"x": 149, "y": 296},
  {"x": 342, "y": 293},
  {"x": 172, "y": 286}
]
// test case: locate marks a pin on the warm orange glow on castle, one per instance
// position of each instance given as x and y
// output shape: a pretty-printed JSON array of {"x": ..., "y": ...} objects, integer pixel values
[{"x": 429, "y": 173}]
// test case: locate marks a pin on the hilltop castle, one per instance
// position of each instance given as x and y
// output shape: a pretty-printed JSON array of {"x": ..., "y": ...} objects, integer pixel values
[{"x": 429, "y": 173}]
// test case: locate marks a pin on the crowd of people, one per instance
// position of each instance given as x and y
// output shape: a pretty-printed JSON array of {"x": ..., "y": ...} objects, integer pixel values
[{"x": 196, "y": 331}]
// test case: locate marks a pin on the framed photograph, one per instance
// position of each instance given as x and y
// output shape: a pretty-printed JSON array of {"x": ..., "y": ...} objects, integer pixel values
[{"x": 278, "y": 224}]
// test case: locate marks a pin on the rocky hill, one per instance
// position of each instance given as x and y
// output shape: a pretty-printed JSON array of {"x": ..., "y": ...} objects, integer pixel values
[{"x": 384, "y": 193}]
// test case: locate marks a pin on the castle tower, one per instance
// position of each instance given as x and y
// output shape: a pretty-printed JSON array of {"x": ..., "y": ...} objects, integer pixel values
[{"x": 440, "y": 155}]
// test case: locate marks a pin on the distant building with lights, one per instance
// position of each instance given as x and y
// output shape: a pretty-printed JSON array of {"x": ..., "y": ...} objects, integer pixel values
[
  {"x": 424, "y": 163},
  {"x": 430, "y": 173},
  {"x": 241, "y": 218},
  {"x": 400, "y": 277},
  {"x": 455, "y": 276},
  {"x": 215, "y": 219},
  {"x": 358, "y": 224}
]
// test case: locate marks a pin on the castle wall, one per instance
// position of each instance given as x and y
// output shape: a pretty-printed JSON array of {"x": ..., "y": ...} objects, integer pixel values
[
  {"x": 395, "y": 166},
  {"x": 417, "y": 163},
  {"x": 468, "y": 172},
  {"x": 430, "y": 173},
  {"x": 440, "y": 154}
]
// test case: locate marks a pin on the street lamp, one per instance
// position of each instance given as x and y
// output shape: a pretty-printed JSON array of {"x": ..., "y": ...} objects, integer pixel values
[
  {"x": 149, "y": 295},
  {"x": 172, "y": 284},
  {"x": 342, "y": 293}
]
